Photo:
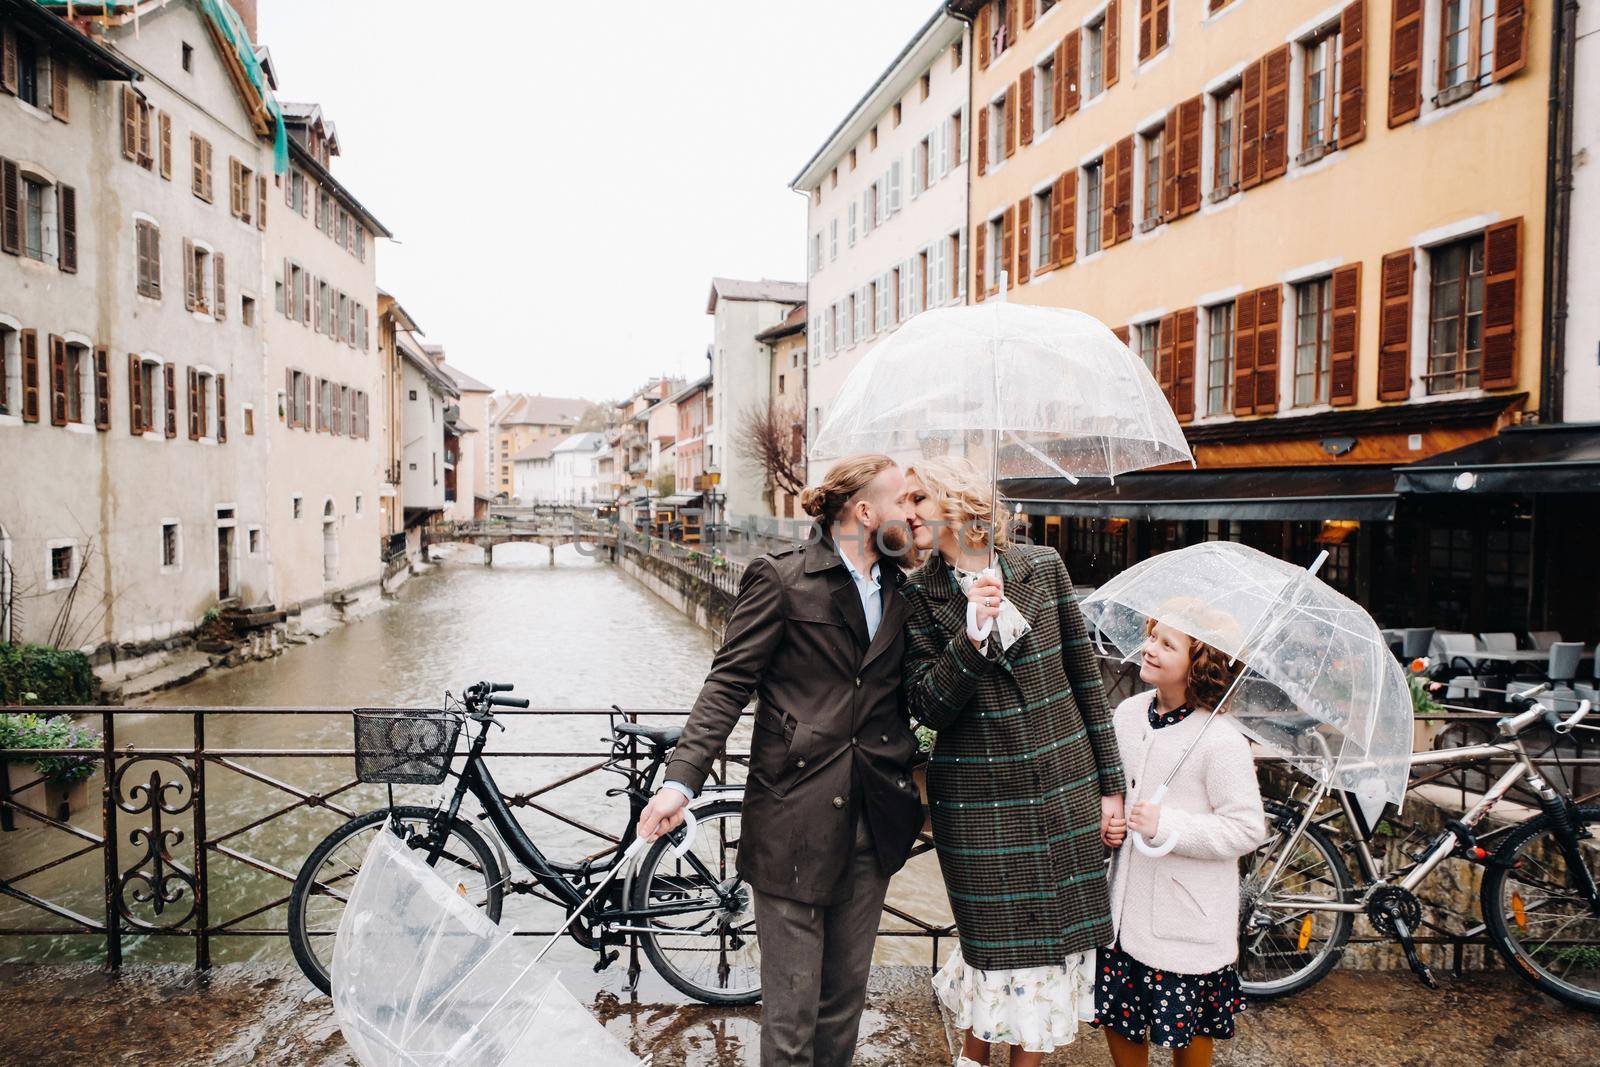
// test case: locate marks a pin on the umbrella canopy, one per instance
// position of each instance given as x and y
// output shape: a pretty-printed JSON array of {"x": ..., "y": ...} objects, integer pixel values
[
  {"x": 1320, "y": 685},
  {"x": 423, "y": 978},
  {"x": 1024, "y": 391}
]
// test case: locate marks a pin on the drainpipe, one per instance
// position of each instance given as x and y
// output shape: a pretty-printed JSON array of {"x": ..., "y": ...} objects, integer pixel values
[{"x": 1558, "y": 210}]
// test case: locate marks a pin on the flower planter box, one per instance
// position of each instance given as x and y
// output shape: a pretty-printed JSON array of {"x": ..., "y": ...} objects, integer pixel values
[{"x": 52, "y": 798}]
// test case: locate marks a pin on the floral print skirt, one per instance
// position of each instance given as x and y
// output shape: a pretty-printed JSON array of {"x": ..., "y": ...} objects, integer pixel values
[
  {"x": 1038, "y": 1008},
  {"x": 1135, "y": 1001}
]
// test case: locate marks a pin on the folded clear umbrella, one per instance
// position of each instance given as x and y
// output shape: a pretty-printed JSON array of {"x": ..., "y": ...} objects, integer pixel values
[
  {"x": 1022, "y": 391},
  {"x": 423, "y": 978},
  {"x": 1319, "y": 684}
]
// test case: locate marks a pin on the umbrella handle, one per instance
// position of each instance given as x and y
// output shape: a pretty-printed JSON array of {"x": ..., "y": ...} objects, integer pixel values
[
  {"x": 1155, "y": 851},
  {"x": 690, "y": 826},
  {"x": 974, "y": 631}
]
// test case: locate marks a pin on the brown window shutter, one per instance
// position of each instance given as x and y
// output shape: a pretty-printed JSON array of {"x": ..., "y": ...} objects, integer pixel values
[
  {"x": 1394, "y": 327},
  {"x": 1269, "y": 314},
  {"x": 1024, "y": 235},
  {"x": 194, "y": 404},
  {"x": 1025, "y": 110},
  {"x": 145, "y": 156},
  {"x": 261, "y": 201},
  {"x": 154, "y": 232},
  {"x": 1163, "y": 23},
  {"x": 1405, "y": 62},
  {"x": 305, "y": 401},
  {"x": 336, "y": 422},
  {"x": 8, "y": 59},
  {"x": 1169, "y": 167},
  {"x": 981, "y": 30},
  {"x": 1244, "y": 354},
  {"x": 135, "y": 394},
  {"x": 1250, "y": 126},
  {"x": 1008, "y": 246},
  {"x": 1112, "y": 68},
  {"x": 1502, "y": 299},
  {"x": 130, "y": 124},
  {"x": 1147, "y": 28},
  {"x": 1121, "y": 333},
  {"x": 1058, "y": 205},
  {"x": 1108, "y": 196},
  {"x": 189, "y": 280},
  {"x": 233, "y": 187},
  {"x": 209, "y": 188},
  {"x": 29, "y": 341},
  {"x": 288, "y": 290},
  {"x": 983, "y": 139},
  {"x": 1027, "y": 12},
  {"x": 1011, "y": 23},
  {"x": 169, "y": 378},
  {"x": 1066, "y": 81},
  {"x": 102, "y": 388},
  {"x": 1191, "y": 132},
  {"x": 58, "y": 381},
  {"x": 219, "y": 269},
  {"x": 1066, "y": 241},
  {"x": 1166, "y": 359},
  {"x": 1011, "y": 120},
  {"x": 289, "y": 408},
  {"x": 1275, "y": 113},
  {"x": 222, "y": 409},
  {"x": 196, "y": 183},
  {"x": 60, "y": 96},
  {"x": 1344, "y": 351},
  {"x": 1510, "y": 39},
  {"x": 67, "y": 218},
  {"x": 305, "y": 297},
  {"x": 10, "y": 208},
  {"x": 1353, "y": 74},
  {"x": 980, "y": 256},
  {"x": 1183, "y": 365},
  {"x": 164, "y": 123},
  {"x": 1124, "y": 204}
]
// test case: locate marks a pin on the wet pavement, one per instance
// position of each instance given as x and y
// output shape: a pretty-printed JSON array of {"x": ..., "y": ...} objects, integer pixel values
[{"x": 266, "y": 1014}]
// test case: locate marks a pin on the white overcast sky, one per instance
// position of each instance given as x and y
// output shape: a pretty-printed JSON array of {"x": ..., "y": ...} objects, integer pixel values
[{"x": 564, "y": 179}]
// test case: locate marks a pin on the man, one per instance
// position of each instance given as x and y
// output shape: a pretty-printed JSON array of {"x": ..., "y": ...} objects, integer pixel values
[{"x": 830, "y": 809}]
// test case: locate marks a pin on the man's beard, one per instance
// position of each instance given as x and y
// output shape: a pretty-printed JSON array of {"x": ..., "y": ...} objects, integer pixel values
[{"x": 893, "y": 539}]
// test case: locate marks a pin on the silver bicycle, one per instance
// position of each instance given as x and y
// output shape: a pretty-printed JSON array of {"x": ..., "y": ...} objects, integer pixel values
[{"x": 1540, "y": 899}]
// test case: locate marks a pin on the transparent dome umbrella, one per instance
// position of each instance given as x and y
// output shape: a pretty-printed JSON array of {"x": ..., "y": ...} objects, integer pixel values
[
  {"x": 423, "y": 978},
  {"x": 1022, "y": 392},
  {"x": 1319, "y": 684}
]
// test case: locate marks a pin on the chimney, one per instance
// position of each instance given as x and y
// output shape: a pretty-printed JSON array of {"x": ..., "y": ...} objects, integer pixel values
[{"x": 246, "y": 10}]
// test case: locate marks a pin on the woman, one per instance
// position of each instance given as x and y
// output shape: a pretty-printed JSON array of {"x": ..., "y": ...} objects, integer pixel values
[
  {"x": 1170, "y": 979},
  {"x": 1024, "y": 777}
]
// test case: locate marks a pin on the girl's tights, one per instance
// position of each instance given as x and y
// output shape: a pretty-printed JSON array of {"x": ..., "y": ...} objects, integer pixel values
[
  {"x": 1125, "y": 1053},
  {"x": 978, "y": 1052}
]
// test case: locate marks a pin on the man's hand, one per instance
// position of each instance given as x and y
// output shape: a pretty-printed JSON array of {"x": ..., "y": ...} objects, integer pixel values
[
  {"x": 662, "y": 815},
  {"x": 1145, "y": 818}
]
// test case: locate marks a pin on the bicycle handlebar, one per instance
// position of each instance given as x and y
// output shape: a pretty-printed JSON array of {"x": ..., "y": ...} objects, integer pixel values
[
  {"x": 508, "y": 702},
  {"x": 1575, "y": 718},
  {"x": 500, "y": 687}
]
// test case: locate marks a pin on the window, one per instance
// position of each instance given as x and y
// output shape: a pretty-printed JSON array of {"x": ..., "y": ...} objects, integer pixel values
[
  {"x": 200, "y": 273},
  {"x": 852, "y": 159},
  {"x": 147, "y": 241},
  {"x": 1312, "y": 341},
  {"x": 78, "y": 365},
  {"x": 1151, "y": 142},
  {"x": 1149, "y": 338},
  {"x": 1319, "y": 93},
  {"x": 358, "y": 503},
  {"x": 35, "y": 195},
  {"x": 833, "y": 240},
  {"x": 872, "y": 139},
  {"x": 956, "y": 142},
  {"x": 922, "y": 165},
  {"x": 1042, "y": 200},
  {"x": 143, "y": 399},
  {"x": 1225, "y": 142},
  {"x": 241, "y": 183},
  {"x": 1466, "y": 47},
  {"x": 997, "y": 132},
  {"x": 955, "y": 284},
  {"x": 1219, "y": 360},
  {"x": 1002, "y": 20},
  {"x": 254, "y": 539},
  {"x": 247, "y": 309},
  {"x": 1094, "y": 191},
  {"x": 1154, "y": 26},
  {"x": 1044, "y": 91},
  {"x": 297, "y": 503},
  {"x": 816, "y": 252},
  {"x": 169, "y": 544},
  {"x": 249, "y": 420},
  {"x": 61, "y": 563},
  {"x": 200, "y": 167},
  {"x": 1455, "y": 317},
  {"x": 995, "y": 252},
  {"x": 955, "y": 56},
  {"x": 1095, "y": 43},
  {"x": 188, "y": 57},
  {"x": 297, "y": 192},
  {"x": 850, "y": 238},
  {"x": 898, "y": 111},
  {"x": 926, "y": 84}
]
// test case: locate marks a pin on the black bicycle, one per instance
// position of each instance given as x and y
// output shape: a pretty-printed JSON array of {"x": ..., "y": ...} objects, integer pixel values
[{"x": 691, "y": 912}]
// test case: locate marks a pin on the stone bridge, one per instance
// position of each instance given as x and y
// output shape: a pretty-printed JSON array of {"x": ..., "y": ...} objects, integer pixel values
[{"x": 552, "y": 531}]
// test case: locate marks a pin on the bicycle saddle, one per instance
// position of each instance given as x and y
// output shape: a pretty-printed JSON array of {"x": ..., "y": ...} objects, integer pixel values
[{"x": 660, "y": 736}]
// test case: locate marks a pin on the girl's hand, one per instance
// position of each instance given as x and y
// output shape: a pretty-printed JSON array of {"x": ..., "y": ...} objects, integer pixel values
[
  {"x": 1145, "y": 818},
  {"x": 1114, "y": 833}
]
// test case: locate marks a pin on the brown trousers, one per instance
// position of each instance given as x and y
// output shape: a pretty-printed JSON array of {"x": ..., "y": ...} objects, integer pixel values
[{"x": 814, "y": 965}]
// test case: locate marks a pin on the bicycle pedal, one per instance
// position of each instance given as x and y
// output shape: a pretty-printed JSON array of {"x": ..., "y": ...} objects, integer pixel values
[{"x": 606, "y": 960}]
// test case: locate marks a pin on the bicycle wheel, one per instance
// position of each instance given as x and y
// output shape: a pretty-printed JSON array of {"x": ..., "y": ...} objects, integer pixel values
[
  {"x": 316, "y": 903},
  {"x": 1541, "y": 925},
  {"x": 1285, "y": 944},
  {"x": 710, "y": 954}
]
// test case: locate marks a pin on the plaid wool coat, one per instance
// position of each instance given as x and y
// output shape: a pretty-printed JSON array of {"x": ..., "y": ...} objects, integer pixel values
[{"x": 1025, "y": 750}]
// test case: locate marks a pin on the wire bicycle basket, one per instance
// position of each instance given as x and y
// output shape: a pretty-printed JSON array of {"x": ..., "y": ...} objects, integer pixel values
[{"x": 404, "y": 746}]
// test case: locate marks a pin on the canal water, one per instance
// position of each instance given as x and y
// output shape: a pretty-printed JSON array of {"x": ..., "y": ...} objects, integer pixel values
[{"x": 578, "y": 634}]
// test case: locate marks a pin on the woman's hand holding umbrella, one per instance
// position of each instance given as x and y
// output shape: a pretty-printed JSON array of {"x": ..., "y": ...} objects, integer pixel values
[{"x": 983, "y": 606}]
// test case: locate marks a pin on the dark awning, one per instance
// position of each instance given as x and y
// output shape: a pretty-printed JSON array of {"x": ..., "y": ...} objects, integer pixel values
[
  {"x": 1519, "y": 459},
  {"x": 1287, "y": 494}
]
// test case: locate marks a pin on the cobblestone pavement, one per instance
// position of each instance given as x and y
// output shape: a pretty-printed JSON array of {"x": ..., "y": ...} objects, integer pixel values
[{"x": 266, "y": 1015}]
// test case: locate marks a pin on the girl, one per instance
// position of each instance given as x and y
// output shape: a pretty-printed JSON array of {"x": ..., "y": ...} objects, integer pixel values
[
  {"x": 1170, "y": 978},
  {"x": 1024, "y": 775}
]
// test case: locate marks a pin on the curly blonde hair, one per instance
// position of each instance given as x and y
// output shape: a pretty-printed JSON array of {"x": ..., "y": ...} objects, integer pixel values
[{"x": 963, "y": 497}]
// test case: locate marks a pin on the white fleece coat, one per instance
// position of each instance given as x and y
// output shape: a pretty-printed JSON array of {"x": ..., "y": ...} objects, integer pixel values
[{"x": 1180, "y": 912}]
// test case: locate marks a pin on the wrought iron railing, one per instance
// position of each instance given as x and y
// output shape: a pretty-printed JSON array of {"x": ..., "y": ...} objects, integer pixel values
[{"x": 704, "y": 565}]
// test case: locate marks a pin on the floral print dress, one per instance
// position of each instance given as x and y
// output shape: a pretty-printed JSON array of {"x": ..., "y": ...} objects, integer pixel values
[
  {"x": 1038, "y": 1008},
  {"x": 1168, "y": 1009}
]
